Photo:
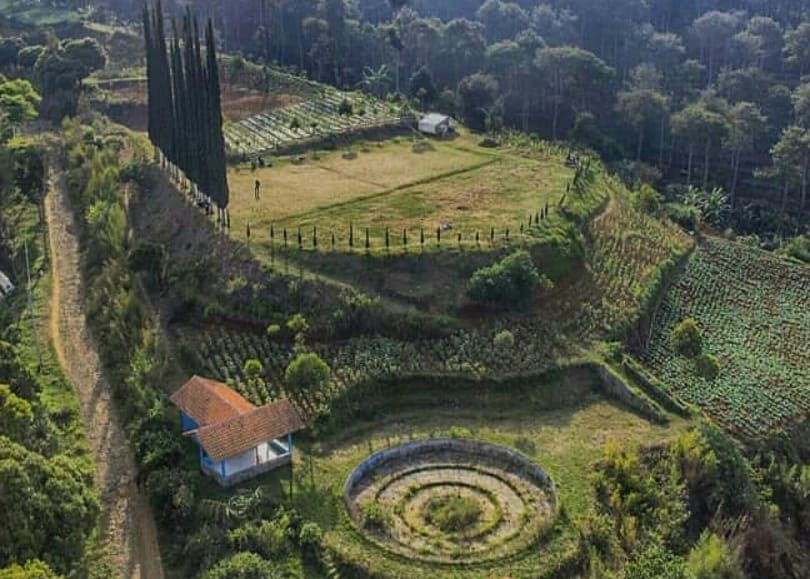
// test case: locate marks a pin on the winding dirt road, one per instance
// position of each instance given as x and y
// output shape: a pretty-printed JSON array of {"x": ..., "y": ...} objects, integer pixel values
[{"x": 127, "y": 526}]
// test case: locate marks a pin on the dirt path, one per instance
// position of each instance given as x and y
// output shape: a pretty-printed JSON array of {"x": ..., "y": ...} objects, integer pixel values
[{"x": 127, "y": 526}]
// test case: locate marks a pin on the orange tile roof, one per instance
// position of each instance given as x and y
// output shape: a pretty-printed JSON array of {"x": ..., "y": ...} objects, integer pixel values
[
  {"x": 245, "y": 431},
  {"x": 209, "y": 402}
]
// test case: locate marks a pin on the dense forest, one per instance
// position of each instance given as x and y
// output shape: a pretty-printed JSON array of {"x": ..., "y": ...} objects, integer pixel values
[{"x": 679, "y": 94}]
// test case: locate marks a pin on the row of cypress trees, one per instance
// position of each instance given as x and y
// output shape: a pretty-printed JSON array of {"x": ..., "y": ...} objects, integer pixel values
[{"x": 185, "y": 112}]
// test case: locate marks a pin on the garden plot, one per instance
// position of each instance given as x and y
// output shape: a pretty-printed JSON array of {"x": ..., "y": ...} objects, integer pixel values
[{"x": 309, "y": 121}]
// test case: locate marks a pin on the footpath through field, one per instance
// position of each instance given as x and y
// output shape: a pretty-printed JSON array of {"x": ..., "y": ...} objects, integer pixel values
[{"x": 127, "y": 526}]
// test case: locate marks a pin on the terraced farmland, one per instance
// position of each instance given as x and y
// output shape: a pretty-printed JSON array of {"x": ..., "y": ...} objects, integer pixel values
[
  {"x": 309, "y": 121},
  {"x": 753, "y": 312}
]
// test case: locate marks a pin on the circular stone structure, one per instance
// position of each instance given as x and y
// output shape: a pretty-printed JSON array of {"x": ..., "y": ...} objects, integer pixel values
[{"x": 451, "y": 501}]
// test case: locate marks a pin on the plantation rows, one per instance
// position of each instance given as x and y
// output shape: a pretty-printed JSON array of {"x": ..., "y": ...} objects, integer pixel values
[
  {"x": 752, "y": 309},
  {"x": 313, "y": 119},
  {"x": 629, "y": 252},
  {"x": 221, "y": 353}
]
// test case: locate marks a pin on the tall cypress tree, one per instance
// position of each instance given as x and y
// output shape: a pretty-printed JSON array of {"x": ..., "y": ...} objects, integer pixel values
[
  {"x": 185, "y": 108},
  {"x": 179, "y": 122},
  {"x": 150, "y": 72},
  {"x": 164, "y": 100},
  {"x": 219, "y": 180}
]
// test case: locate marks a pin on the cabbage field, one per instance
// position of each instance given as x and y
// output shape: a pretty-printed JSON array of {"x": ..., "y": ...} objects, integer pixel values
[{"x": 753, "y": 311}]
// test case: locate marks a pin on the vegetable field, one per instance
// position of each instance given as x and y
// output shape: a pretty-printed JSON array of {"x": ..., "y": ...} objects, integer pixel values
[
  {"x": 753, "y": 312},
  {"x": 221, "y": 353},
  {"x": 309, "y": 121}
]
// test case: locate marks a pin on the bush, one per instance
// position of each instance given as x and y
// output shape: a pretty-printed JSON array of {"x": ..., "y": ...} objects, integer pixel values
[
  {"x": 648, "y": 199},
  {"x": 34, "y": 569},
  {"x": 346, "y": 108},
  {"x": 375, "y": 516},
  {"x": 453, "y": 514},
  {"x": 712, "y": 559},
  {"x": 243, "y": 566},
  {"x": 687, "y": 338},
  {"x": 504, "y": 340},
  {"x": 707, "y": 366},
  {"x": 684, "y": 215},
  {"x": 307, "y": 372},
  {"x": 310, "y": 537},
  {"x": 797, "y": 248},
  {"x": 510, "y": 282}
]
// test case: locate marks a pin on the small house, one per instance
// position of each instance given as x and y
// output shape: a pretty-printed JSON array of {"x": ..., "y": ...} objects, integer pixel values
[
  {"x": 436, "y": 124},
  {"x": 6, "y": 287},
  {"x": 236, "y": 439}
]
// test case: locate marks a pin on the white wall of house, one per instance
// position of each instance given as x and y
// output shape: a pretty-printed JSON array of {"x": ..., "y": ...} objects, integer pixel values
[
  {"x": 264, "y": 452},
  {"x": 240, "y": 462}
]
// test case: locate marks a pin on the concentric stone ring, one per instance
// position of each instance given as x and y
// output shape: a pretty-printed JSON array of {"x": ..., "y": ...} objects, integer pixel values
[{"x": 451, "y": 501}]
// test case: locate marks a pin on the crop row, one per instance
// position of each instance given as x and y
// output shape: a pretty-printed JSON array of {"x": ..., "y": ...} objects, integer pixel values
[
  {"x": 222, "y": 353},
  {"x": 315, "y": 118},
  {"x": 752, "y": 309}
]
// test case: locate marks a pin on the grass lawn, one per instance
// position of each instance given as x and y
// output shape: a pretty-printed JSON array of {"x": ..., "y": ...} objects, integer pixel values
[{"x": 390, "y": 185}]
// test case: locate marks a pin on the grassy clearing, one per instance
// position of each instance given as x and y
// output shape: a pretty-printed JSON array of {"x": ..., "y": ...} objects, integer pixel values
[
  {"x": 565, "y": 442},
  {"x": 290, "y": 190},
  {"x": 455, "y": 186},
  {"x": 752, "y": 310}
]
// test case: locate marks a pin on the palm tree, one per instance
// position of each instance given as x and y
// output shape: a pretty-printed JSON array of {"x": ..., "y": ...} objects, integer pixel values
[{"x": 376, "y": 81}]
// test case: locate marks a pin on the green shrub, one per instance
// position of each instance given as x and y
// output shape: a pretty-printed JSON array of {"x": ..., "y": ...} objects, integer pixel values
[
  {"x": 684, "y": 215},
  {"x": 310, "y": 536},
  {"x": 511, "y": 282},
  {"x": 711, "y": 558},
  {"x": 34, "y": 569},
  {"x": 647, "y": 199},
  {"x": 307, "y": 373},
  {"x": 797, "y": 248},
  {"x": 687, "y": 338},
  {"x": 453, "y": 514},
  {"x": 346, "y": 108},
  {"x": 707, "y": 366},
  {"x": 243, "y": 566},
  {"x": 504, "y": 340},
  {"x": 375, "y": 516},
  {"x": 298, "y": 324},
  {"x": 655, "y": 562}
]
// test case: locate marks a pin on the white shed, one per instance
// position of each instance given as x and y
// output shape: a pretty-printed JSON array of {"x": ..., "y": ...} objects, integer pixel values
[
  {"x": 6, "y": 287},
  {"x": 436, "y": 124}
]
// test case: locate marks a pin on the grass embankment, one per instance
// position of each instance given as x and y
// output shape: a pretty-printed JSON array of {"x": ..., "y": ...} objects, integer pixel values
[{"x": 752, "y": 311}]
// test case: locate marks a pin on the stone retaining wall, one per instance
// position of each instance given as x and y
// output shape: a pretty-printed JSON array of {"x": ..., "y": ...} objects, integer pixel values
[{"x": 501, "y": 455}]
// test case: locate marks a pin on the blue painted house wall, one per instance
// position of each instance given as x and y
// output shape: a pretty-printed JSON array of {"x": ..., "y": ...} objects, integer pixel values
[{"x": 186, "y": 422}]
